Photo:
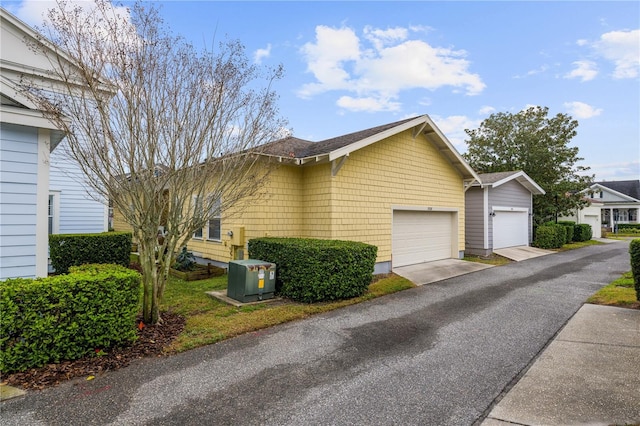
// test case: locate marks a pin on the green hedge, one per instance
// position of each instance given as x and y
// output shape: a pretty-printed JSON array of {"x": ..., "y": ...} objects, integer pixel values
[
  {"x": 550, "y": 236},
  {"x": 629, "y": 226},
  {"x": 569, "y": 231},
  {"x": 66, "y": 317},
  {"x": 634, "y": 251},
  {"x": 66, "y": 250},
  {"x": 582, "y": 232},
  {"x": 312, "y": 270}
]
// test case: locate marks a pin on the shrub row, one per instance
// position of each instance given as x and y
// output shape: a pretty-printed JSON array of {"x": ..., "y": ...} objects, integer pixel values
[
  {"x": 555, "y": 235},
  {"x": 629, "y": 228},
  {"x": 634, "y": 251},
  {"x": 66, "y": 317},
  {"x": 312, "y": 270},
  {"x": 66, "y": 250}
]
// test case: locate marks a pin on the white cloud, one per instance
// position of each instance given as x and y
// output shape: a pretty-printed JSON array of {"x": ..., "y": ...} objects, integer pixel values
[
  {"x": 582, "y": 110},
  {"x": 381, "y": 38},
  {"x": 623, "y": 49},
  {"x": 584, "y": 70},
  {"x": 453, "y": 128},
  {"x": 529, "y": 73},
  {"x": 368, "y": 104},
  {"x": 382, "y": 64},
  {"x": 260, "y": 54},
  {"x": 326, "y": 57},
  {"x": 486, "y": 110}
]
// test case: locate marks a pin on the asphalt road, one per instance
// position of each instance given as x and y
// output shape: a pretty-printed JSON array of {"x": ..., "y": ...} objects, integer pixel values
[{"x": 434, "y": 355}]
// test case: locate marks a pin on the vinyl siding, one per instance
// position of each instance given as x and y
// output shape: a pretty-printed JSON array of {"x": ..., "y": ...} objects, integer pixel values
[
  {"x": 475, "y": 220},
  {"x": 79, "y": 212},
  {"x": 18, "y": 212}
]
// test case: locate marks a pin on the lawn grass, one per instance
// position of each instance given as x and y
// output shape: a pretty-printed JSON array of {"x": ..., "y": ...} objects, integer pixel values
[
  {"x": 618, "y": 293},
  {"x": 492, "y": 259},
  {"x": 577, "y": 245},
  {"x": 209, "y": 320}
]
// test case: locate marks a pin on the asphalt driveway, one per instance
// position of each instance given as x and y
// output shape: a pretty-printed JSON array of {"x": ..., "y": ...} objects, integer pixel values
[{"x": 437, "y": 354}]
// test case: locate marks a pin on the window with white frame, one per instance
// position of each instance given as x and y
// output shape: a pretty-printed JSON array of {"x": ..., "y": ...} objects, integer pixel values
[
  {"x": 53, "y": 212},
  {"x": 197, "y": 203},
  {"x": 215, "y": 224}
]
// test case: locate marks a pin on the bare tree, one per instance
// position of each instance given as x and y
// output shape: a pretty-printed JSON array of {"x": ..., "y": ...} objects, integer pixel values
[{"x": 166, "y": 132}]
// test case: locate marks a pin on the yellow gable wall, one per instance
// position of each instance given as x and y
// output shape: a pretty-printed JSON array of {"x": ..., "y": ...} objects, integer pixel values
[{"x": 400, "y": 170}]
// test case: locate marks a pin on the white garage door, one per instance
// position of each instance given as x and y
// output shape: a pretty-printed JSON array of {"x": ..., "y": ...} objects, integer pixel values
[
  {"x": 595, "y": 225},
  {"x": 510, "y": 229},
  {"x": 420, "y": 236}
]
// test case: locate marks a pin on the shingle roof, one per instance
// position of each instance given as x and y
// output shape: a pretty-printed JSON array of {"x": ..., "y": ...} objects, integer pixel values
[
  {"x": 286, "y": 147},
  {"x": 301, "y": 152},
  {"x": 495, "y": 177},
  {"x": 626, "y": 187},
  {"x": 328, "y": 145},
  {"x": 301, "y": 148},
  {"x": 498, "y": 178}
]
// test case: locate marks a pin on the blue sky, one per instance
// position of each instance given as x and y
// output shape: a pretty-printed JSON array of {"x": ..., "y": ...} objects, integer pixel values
[{"x": 354, "y": 65}]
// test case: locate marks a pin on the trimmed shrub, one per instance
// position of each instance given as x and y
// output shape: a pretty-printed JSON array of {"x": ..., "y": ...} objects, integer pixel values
[
  {"x": 66, "y": 317},
  {"x": 629, "y": 228},
  {"x": 634, "y": 252},
  {"x": 550, "y": 236},
  {"x": 569, "y": 230},
  {"x": 66, "y": 250},
  {"x": 312, "y": 270},
  {"x": 582, "y": 232}
]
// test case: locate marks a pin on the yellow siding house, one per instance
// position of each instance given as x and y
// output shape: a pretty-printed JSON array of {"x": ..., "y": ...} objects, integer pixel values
[{"x": 400, "y": 186}]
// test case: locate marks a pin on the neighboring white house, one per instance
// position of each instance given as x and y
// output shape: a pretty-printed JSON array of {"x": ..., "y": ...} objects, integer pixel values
[
  {"x": 590, "y": 215},
  {"x": 33, "y": 202},
  {"x": 620, "y": 201}
]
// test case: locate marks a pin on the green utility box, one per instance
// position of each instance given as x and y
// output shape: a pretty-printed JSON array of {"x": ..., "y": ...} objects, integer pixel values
[{"x": 251, "y": 280}]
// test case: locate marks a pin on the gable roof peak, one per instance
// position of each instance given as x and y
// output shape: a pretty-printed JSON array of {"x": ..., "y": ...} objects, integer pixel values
[{"x": 630, "y": 188}]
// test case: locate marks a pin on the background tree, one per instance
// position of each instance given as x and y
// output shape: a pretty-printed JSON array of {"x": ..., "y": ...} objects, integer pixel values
[
  {"x": 531, "y": 141},
  {"x": 164, "y": 131}
]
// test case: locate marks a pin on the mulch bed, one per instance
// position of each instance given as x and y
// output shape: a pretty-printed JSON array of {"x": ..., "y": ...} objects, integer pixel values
[{"x": 151, "y": 340}]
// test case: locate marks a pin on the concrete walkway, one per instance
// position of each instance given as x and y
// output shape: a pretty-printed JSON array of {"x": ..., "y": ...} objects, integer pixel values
[
  {"x": 430, "y": 272},
  {"x": 521, "y": 253},
  {"x": 587, "y": 375}
]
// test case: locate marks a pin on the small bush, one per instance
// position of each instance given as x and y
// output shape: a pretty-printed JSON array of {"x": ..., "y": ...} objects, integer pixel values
[
  {"x": 582, "y": 232},
  {"x": 569, "y": 230},
  {"x": 185, "y": 261},
  {"x": 66, "y": 250},
  {"x": 550, "y": 236},
  {"x": 634, "y": 252},
  {"x": 66, "y": 317},
  {"x": 311, "y": 270}
]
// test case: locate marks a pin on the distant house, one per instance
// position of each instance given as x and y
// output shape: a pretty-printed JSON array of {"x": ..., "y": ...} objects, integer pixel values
[
  {"x": 399, "y": 186},
  {"x": 620, "y": 201},
  {"x": 499, "y": 210},
  {"x": 589, "y": 215},
  {"x": 35, "y": 198}
]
